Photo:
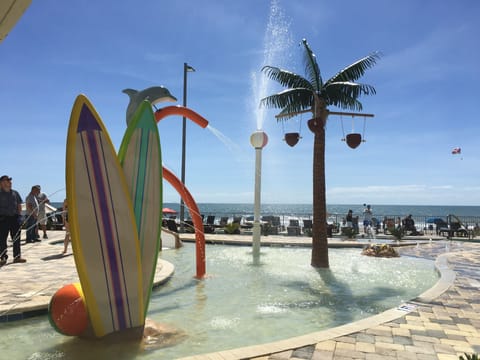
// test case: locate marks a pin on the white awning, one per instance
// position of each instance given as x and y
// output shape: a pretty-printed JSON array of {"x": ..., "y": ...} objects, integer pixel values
[{"x": 10, "y": 12}]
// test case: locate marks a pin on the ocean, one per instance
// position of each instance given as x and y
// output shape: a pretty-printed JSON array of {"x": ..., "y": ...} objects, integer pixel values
[
  {"x": 468, "y": 214},
  {"x": 305, "y": 210}
]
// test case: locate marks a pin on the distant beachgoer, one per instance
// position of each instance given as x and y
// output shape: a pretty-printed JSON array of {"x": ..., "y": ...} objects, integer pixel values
[
  {"x": 384, "y": 224},
  {"x": 399, "y": 223},
  {"x": 42, "y": 214},
  {"x": 66, "y": 240},
  {"x": 367, "y": 218},
  {"x": 409, "y": 224},
  {"x": 10, "y": 220},
  {"x": 349, "y": 219},
  {"x": 355, "y": 224},
  {"x": 31, "y": 203}
]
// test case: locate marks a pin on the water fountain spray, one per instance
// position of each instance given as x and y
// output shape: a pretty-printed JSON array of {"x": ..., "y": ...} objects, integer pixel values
[
  {"x": 258, "y": 140},
  {"x": 277, "y": 41}
]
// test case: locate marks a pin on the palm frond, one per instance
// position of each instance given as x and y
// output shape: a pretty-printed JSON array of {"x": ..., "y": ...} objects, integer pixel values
[
  {"x": 350, "y": 88},
  {"x": 345, "y": 102},
  {"x": 291, "y": 101},
  {"x": 356, "y": 70},
  {"x": 285, "y": 78},
  {"x": 311, "y": 67}
]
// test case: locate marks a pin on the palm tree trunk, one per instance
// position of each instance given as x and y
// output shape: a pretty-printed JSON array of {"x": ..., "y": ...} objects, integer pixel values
[{"x": 319, "y": 228}]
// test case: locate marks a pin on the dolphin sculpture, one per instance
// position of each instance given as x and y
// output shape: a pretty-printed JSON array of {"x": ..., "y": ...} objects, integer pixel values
[{"x": 154, "y": 95}]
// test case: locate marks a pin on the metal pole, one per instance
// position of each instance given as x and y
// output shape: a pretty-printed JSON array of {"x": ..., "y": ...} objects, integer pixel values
[
  {"x": 258, "y": 140},
  {"x": 186, "y": 68},
  {"x": 184, "y": 140},
  {"x": 279, "y": 116},
  {"x": 257, "y": 204}
]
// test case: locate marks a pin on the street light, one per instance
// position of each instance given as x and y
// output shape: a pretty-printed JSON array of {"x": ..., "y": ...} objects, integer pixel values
[{"x": 186, "y": 68}]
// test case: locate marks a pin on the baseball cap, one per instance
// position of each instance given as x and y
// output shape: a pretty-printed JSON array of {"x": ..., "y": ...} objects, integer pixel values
[{"x": 5, "y": 177}]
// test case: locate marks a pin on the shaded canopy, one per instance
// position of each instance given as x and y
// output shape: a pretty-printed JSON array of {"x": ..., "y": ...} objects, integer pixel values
[{"x": 168, "y": 211}]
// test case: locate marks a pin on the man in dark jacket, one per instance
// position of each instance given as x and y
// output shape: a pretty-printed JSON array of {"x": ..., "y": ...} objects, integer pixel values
[{"x": 10, "y": 219}]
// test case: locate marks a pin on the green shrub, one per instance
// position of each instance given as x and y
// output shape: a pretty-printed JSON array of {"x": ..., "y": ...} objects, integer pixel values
[
  {"x": 396, "y": 232},
  {"x": 469, "y": 357},
  {"x": 233, "y": 228},
  {"x": 348, "y": 232}
]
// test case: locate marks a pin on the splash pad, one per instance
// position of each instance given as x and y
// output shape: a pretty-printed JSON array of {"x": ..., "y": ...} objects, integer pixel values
[{"x": 242, "y": 304}]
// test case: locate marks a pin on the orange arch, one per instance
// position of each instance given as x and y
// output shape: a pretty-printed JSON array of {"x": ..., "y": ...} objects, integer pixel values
[
  {"x": 195, "y": 215},
  {"x": 183, "y": 111},
  {"x": 181, "y": 188}
]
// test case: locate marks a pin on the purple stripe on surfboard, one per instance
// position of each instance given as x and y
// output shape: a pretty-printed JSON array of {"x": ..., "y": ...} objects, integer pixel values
[
  {"x": 92, "y": 125},
  {"x": 112, "y": 316},
  {"x": 88, "y": 123},
  {"x": 140, "y": 188}
]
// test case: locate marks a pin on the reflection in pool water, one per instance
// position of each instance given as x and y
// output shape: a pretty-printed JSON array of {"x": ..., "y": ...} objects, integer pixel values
[{"x": 241, "y": 303}]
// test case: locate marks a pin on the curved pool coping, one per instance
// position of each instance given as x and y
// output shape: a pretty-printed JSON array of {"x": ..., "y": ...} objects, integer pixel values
[{"x": 447, "y": 277}]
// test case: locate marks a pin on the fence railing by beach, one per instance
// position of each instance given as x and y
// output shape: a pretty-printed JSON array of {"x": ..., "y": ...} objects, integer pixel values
[{"x": 422, "y": 222}]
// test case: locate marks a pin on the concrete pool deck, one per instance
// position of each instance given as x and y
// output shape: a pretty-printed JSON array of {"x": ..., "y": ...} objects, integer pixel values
[{"x": 442, "y": 323}]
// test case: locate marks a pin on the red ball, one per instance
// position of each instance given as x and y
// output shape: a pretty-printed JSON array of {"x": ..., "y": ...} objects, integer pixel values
[{"x": 67, "y": 311}]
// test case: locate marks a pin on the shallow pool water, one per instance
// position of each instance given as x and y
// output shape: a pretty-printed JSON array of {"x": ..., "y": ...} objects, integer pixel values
[{"x": 241, "y": 303}]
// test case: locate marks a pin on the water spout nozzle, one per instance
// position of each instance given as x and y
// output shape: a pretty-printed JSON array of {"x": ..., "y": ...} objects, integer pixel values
[{"x": 259, "y": 139}]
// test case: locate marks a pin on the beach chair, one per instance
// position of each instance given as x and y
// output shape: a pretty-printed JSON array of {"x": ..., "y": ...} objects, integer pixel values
[
  {"x": 223, "y": 221},
  {"x": 171, "y": 225},
  {"x": 307, "y": 225},
  {"x": 189, "y": 227},
  {"x": 294, "y": 228},
  {"x": 248, "y": 223},
  {"x": 459, "y": 229},
  {"x": 210, "y": 220},
  {"x": 441, "y": 226},
  {"x": 267, "y": 218},
  {"x": 209, "y": 227}
]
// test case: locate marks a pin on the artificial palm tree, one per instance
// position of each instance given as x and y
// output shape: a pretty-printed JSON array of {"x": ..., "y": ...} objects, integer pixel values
[{"x": 312, "y": 93}]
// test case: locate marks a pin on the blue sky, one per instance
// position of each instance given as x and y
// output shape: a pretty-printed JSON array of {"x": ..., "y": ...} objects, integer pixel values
[{"x": 425, "y": 105}]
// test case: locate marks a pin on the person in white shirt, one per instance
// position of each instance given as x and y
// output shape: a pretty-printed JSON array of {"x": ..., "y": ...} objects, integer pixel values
[{"x": 367, "y": 218}]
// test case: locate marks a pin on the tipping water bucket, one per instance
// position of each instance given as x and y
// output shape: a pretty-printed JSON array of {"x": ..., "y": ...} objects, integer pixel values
[
  {"x": 353, "y": 140},
  {"x": 292, "y": 138}
]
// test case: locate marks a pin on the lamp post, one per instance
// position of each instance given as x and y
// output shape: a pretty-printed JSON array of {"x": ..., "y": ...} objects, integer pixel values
[
  {"x": 186, "y": 69},
  {"x": 258, "y": 140}
]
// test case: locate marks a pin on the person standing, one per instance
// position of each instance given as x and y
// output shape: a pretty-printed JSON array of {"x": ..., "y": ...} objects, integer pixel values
[
  {"x": 367, "y": 218},
  {"x": 32, "y": 214},
  {"x": 42, "y": 214},
  {"x": 349, "y": 218},
  {"x": 10, "y": 218},
  {"x": 66, "y": 240}
]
